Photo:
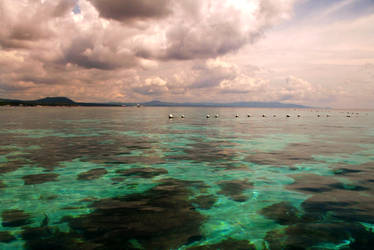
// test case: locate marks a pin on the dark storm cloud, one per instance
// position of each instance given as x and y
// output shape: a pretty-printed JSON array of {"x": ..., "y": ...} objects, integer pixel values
[{"x": 132, "y": 10}]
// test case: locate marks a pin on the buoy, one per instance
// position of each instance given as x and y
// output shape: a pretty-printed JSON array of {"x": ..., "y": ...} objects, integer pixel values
[
  {"x": 216, "y": 116},
  {"x": 298, "y": 115},
  {"x": 207, "y": 116},
  {"x": 236, "y": 115},
  {"x": 263, "y": 115},
  {"x": 171, "y": 116},
  {"x": 249, "y": 115},
  {"x": 288, "y": 116},
  {"x": 182, "y": 116},
  {"x": 318, "y": 115}
]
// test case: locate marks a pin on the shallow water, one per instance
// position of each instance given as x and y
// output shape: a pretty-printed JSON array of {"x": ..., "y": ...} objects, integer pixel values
[{"x": 130, "y": 178}]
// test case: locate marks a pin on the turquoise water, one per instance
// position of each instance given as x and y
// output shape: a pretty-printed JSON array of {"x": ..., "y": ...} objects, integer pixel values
[{"x": 130, "y": 178}]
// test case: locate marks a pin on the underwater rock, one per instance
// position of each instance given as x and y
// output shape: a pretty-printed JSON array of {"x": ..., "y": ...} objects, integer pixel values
[
  {"x": 6, "y": 237},
  {"x": 143, "y": 172},
  {"x": 92, "y": 174},
  {"x": 39, "y": 178},
  {"x": 234, "y": 189},
  {"x": 15, "y": 218},
  {"x": 204, "y": 201},
  {"x": 283, "y": 213},
  {"x": 160, "y": 218},
  {"x": 2, "y": 185},
  {"x": 227, "y": 244}
]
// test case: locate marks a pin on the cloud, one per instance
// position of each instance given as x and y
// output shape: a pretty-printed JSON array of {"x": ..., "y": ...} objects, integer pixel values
[
  {"x": 218, "y": 28},
  {"x": 15, "y": 86},
  {"x": 85, "y": 53},
  {"x": 211, "y": 73},
  {"x": 24, "y": 23},
  {"x": 151, "y": 86},
  {"x": 191, "y": 50},
  {"x": 302, "y": 91},
  {"x": 130, "y": 11}
]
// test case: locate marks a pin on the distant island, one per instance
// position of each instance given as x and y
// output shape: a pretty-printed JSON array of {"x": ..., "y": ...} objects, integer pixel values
[
  {"x": 52, "y": 101},
  {"x": 64, "y": 101}
]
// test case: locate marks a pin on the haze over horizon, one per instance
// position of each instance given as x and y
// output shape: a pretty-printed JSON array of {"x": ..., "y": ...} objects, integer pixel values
[{"x": 310, "y": 52}]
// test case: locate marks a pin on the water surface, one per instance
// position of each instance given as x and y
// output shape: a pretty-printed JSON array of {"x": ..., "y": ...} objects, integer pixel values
[{"x": 130, "y": 178}]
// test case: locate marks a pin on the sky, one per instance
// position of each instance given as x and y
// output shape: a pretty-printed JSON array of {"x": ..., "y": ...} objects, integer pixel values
[{"x": 311, "y": 52}]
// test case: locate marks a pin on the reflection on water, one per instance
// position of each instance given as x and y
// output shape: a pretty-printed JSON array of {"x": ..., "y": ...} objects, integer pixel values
[{"x": 130, "y": 178}]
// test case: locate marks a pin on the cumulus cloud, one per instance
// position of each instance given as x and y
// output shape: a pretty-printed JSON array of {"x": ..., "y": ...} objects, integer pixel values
[
  {"x": 302, "y": 91},
  {"x": 151, "y": 86},
  {"x": 216, "y": 28},
  {"x": 128, "y": 50},
  {"x": 84, "y": 52},
  {"x": 130, "y": 11},
  {"x": 26, "y": 22}
]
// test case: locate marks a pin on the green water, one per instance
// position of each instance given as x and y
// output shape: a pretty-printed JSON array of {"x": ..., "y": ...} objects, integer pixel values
[{"x": 130, "y": 178}]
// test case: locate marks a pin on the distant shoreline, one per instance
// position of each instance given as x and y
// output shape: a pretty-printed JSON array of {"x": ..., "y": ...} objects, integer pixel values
[{"x": 66, "y": 102}]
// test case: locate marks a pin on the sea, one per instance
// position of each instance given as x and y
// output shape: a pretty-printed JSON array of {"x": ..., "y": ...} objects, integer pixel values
[{"x": 131, "y": 178}]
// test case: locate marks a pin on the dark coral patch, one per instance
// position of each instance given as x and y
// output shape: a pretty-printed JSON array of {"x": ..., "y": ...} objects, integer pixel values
[
  {"x": 51, "y": 238},
  {"x": 234, "y": 189},
  {"x": 311, "y": 183},
  {"x": 204, "y": 201},
  {"x": 15, "y": 218},
  {"x": 314, "y": 235},
  {"x": 279, "y": 158},
  {"x": 142, "y": 172},
  {"x": 348, "y": 187},
  {"x": 202, "y": 151},
  {"x": 283, "y": 213},
  {"x": 11, "y": 166},
  {"x": 346, "y": 171},
  {"x": 359, "y": 175},
  {"x": 332, "y": 198},
  {"x": 92, "y": 174},
  {"x": 227, "y": 244},
  {"x": 39, "y": 178},
  {"x": 161, "y": 218},
  {"x": 6, "y": 237}
]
